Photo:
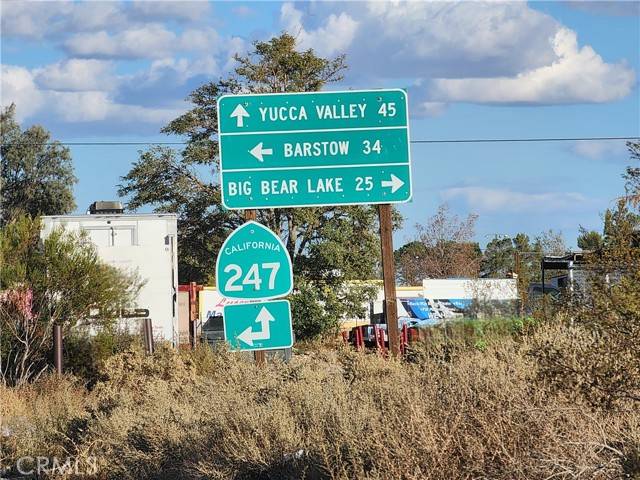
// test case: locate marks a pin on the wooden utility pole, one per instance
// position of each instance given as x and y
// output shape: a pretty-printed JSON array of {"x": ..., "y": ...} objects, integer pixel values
[
  {"x": 259, "y": 356},
  {"x": 389, "y": 278}
]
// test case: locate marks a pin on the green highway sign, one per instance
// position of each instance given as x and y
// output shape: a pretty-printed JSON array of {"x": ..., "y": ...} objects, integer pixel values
[
  {"x": 258, "y": 326},
  {"x": 314, "y": 149},
  {"x": 253, "y": 263}
]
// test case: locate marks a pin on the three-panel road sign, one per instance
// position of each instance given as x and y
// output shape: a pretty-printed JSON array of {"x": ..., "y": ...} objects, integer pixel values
[{"x": 314, "y": 149}]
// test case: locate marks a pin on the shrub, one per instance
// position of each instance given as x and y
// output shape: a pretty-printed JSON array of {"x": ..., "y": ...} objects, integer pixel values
[
  {"x": 86, "y": 351},
  {"x": 592, "y": 351},
  {"x": 56, "y": 280},
  {"x": 334, "y": 414}
]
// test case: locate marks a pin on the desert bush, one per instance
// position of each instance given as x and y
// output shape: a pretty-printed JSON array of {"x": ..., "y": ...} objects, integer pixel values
[
  {"x": 56, "y": 280},
  {"x": 342, "y": 414},
  {"x": 591, "y": 350},
  {"x": 335, "y": 414},
  {"x": 85, "y": 350},
  {"x": 37, "y": 419}
]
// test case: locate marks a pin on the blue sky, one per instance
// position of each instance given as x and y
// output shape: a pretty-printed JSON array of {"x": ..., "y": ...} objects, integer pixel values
[{"x": 119, "y": 71}]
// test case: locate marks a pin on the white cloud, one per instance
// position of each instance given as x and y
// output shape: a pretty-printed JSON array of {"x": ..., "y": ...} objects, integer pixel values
[
  {"x": 433, "y": 39},
  {"x": 206, "y": 39},
  {"x": 481, "y": 52},
  {"x": 90, "y": 16},
  {"x": 40, "y": 19},
  {"x": 88, "y": 106},
  {"x": 76, "y": 75},
  {"x": 334, "y": 36},
  {"x": 91, "y": 106},
  {"x": 489, "y": 200},
  {"x": 149, "y": 41},
  {"x": 430, "y": 109},
  {"x": 87, "y": 87},
  {"x": 18, "y": 87},
  {"x": 181, "y": 68},
  {"x": 577, "y": 76},
  {"x": 170, "y": 10},
  {"x": 601, "y": 150},
  {"x": 32, "y": 19}
]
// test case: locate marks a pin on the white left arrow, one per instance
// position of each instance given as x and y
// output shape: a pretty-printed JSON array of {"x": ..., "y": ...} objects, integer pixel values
[
  {"x": 395, "y": 183},
  {"x": 259, "y": 151},
  {"x": 248, "y": 335},
  {"x": 239, "y": 113}
]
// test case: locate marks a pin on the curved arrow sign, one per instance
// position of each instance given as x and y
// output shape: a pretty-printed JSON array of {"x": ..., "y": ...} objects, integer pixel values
[
  {"x": 258, "y": 326},
  {"x": 253, "y": 263}
]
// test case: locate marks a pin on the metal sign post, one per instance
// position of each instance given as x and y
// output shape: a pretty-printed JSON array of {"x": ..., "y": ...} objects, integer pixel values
[{"x": 251, "y": 215}]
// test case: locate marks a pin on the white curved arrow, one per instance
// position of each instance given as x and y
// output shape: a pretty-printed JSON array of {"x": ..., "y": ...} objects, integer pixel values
[
  {"x": 239, "y": 113},
  {"x": 395, "y": 183},
  {"x": 248, "y": 335},
  {"x": 259, "y": 151}
]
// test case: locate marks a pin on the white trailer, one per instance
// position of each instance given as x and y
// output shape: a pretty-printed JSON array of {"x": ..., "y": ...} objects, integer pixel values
[{"x": 142, "y": 243}]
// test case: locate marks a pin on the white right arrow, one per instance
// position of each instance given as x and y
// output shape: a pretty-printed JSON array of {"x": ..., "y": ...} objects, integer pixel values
[
  {"x": 258, "y": 151},
  {"x": 395, "y": 183},
  {"x": 239, "y": 113},
  {"x": 248, "y": 335}
]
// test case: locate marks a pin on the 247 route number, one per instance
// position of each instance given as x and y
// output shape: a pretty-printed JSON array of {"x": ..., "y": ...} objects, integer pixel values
[{"x": 253, "y": 276}]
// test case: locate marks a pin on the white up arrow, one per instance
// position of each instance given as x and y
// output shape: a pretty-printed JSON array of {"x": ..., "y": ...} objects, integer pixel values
[
  {"x": 258, "y": 151},
  {"x": 239, "y": 112},
  {"x": 395, "y": 183},
  {"x": 248, "y": 336}
]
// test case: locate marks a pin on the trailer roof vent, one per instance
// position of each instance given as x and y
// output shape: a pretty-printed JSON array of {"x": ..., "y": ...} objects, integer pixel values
[{"x": 105, "y": 207}]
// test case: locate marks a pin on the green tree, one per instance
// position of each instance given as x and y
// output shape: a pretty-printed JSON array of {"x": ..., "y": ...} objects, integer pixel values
[
  {"x": 59, "y": 280},
  {"x": 498, "y": 258},
  {"x": 517, "y": 255},
  {"x": 409, "y": 260},
  {"x": 330, "y": 247},
  {"x": 616, "y": 224},
  {"x": 589, "y": 240},
  {"x": 37, "y": 174}
]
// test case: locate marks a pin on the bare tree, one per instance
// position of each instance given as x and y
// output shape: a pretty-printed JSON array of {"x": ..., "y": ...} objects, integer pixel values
[
  {"x": 449, "y": 249},
  {"x": 551, "y": 242}
]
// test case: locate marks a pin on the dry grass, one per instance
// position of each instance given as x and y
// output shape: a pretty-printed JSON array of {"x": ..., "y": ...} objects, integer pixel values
[{"x": 450, "y": 413}]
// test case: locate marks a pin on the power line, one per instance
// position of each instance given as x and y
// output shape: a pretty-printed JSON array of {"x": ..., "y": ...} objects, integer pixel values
[
  {"x": 451, "y": 140},
  {"x": 543, "y": 139}
]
